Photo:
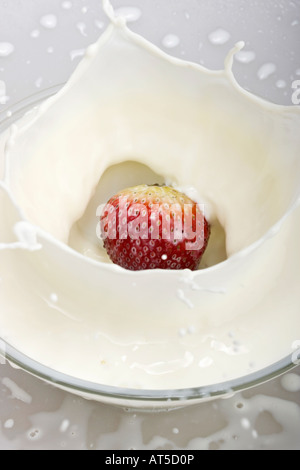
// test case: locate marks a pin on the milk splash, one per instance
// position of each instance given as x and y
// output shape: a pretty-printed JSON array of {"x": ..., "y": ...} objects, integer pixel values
[
  {"x": 99, "y": 312},
  {"x": 266, "y": 418}
]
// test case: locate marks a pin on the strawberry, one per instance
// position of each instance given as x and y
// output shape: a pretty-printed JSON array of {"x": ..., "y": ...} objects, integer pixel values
[{"x": 154, "y": 227}]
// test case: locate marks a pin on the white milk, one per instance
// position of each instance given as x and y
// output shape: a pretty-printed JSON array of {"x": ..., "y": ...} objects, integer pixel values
[{"x": 65, "y": 305}]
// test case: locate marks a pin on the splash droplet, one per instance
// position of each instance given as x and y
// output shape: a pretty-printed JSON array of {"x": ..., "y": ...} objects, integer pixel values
[
  {"x": 99, "y": 24},
  {"x": 38, "y": 82},
  {"x": 54, "y": 298},
  {"x": 266, "y": 71},
  {"x": 281, "y": 84},
  {"x": 9, "y": 424},
  {"x": 245, "y": 423},
  {"x": 77, "y": 53},
  {"x": 66, "y": 5},
  {"x": 245, "y": 57},
  {"x": 170, "y": 41},
  {"x": 81, "y": 28},
  {"x": 64, "y": 425},
  {"x": 130, "y": 14},
  {"x": 49, "y": 21},
  {"x": 219, "y": 37},
  {"x": 35, "y": 33},
  {"x": 205, "y": 362},
  {"x": 6, "y": 49},
  {"x": 291, "y": 383}
]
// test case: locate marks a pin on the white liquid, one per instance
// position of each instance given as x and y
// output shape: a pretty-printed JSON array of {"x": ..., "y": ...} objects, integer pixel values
[
  {"x": 66, "y": 5},
  {"x": 99, "y": 24},
  {"x": 77, "y": 53},
  {"x": 131, "y": 14},
  {"x": 266, "y": 71},
  {"x": 82, "y": 28},
  {"x": 9, "y": 424},
  {"x": 281, "y": 84},
  {"x": 38, "y": 82},
  {"x": 291, "y": 382},
  {"x": 49, "y": 21},
  {"x": 35, "y": 33},
  {"x": 245, "y": 57},
  {"x": 170, "y": 41},
  {"x": 6, "y": 49},
  {"x": 16, "y": 392},
  {"x": 156, "y": 330},
  {"x": 237, "y": 423},
  {"x": 219, "y": 37}
]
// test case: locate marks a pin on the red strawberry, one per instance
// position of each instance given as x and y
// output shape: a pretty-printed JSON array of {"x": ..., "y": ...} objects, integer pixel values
[{"x": 154, "y": 227}]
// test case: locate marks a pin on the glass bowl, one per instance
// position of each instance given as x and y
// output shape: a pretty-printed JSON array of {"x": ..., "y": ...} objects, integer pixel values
[{"x": 44, "y": 41}]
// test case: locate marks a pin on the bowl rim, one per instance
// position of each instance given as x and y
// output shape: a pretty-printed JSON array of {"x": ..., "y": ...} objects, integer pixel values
[
  {"x": 73, "y": 384},
  {"x": 85, "y": 387}
]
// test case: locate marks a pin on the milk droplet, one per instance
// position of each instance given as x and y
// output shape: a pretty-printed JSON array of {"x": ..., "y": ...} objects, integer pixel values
[
  {"x": 206, "y": 362},
  {"x": 182, "y": 332},
  {"x": 245, "y": 423},
  {"x": 50, "y": 50},
  {"x": 281, "y": 83},
  {"x": 84, "y": 10},
  {"x": 6, "y": 48},
  {"x": 245, "y": 57},
  {"x": 64, "y": 425},
  {"x": 295, "y": 23},
  {"x": 38, "y": 82},
  {"x": 266, "y": 71},
  {"x": 35, "y": 33},
  {"x": 219, "y": 37},
  {"x": 130, "y": 14},
  {"x": 298, "y": 72},
  {"x": 170, "y": 41},
  {"x": 99, "y": 24},
  {"x": 54, "y": 298},
  {"x": 66, "y": 5},
  {"x": 291, "y": 382},
  {"x": 16, "y": 392},
  {"x": 81, "y": 28},
  {"x": 9, "y": 424},
  {"x": 175, "y": 431},
  {"x": 77, "y": 53},
  {"x": 49, "y": 21}
]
